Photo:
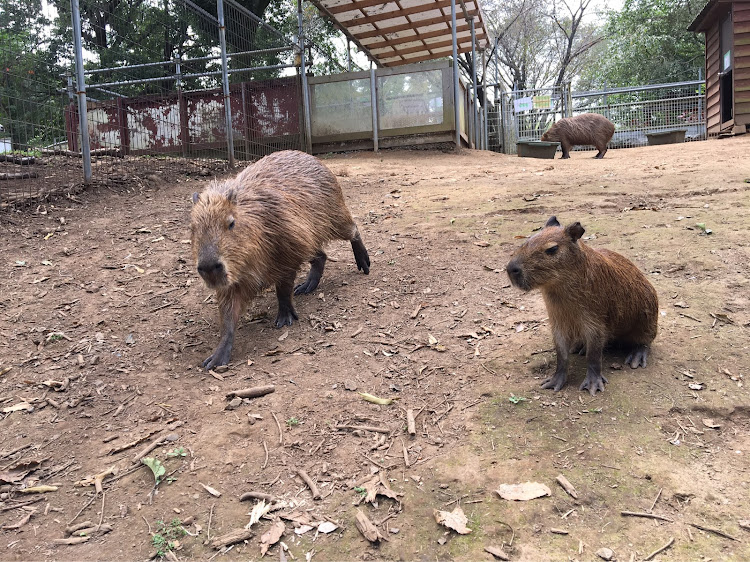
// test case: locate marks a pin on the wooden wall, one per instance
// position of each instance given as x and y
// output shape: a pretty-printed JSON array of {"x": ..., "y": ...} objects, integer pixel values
[
  {"x": 713, "y": 105},
  {"x": 741, "y": 19}
]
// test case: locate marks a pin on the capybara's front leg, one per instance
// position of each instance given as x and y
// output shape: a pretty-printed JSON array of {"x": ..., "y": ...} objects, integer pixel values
[
  {"x": 230, "y": 310},
  {"x": 287, "y": 315},
  {"x": 601, "y": 153},
  {"x": 317, "y": 265},
  {"x": 565, "y": 149},
  {"x": 557, "y": 381},
  {"x": 637, "y": 357},
  {"x": 594, "y": 381},
  {"x": 360, "y": 253}
]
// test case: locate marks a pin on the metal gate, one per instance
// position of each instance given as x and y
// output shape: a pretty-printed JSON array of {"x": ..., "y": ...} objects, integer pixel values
[{"x": 524, "y": 115}]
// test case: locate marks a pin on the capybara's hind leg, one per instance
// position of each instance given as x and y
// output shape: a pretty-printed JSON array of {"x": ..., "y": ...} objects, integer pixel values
[
  {"x": 317, "y": 265},
  {"x": 601, "y": 153},
  {"x": 287, "y": 315},
  {"x": 230, "y": 310},
  {"x": 637, "y": 357},
  {"x": 360, "y": 252}
]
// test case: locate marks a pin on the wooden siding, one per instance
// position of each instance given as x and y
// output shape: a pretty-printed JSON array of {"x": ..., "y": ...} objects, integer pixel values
[
  {"x": 741, "y": 19},
  {"x": 713, "y": 118}
]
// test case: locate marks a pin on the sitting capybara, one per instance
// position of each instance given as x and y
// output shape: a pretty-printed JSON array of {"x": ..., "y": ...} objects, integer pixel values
[
  {"x": 256, "y": 230},
  {"x": 587, "y": 128},
  {"x": 593, "y": 297}
]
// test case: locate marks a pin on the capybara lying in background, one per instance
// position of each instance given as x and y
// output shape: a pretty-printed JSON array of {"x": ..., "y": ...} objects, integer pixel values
[
  {"x": 593, "y": 297},
  {"x": 587, "y": 128},
  {"x": 256, "y": 230}
]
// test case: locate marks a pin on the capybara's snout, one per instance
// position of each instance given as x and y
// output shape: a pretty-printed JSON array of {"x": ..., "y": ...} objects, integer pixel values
[
  {"x": 212, "y": 271},
  {"x": 515, "y": 274}
]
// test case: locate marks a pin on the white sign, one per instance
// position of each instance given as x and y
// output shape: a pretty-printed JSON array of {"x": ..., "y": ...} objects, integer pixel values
[
  {"x": 523, "y": 104},
  {"x": 727, "y": 60}
]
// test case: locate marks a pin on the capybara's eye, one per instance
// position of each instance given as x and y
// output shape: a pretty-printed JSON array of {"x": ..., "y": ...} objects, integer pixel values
[
  {"x": 230, "y": 225},
  {"x": 551, "y": 251}
]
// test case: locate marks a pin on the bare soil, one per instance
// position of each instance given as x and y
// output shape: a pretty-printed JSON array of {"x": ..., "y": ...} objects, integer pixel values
[{"x": 104, "y": 322}]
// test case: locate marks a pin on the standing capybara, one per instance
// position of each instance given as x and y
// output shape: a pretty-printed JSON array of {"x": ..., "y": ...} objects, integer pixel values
[
  {"x": 256, "y": 230},
  {"x": 593, "y": 297},
  {"x": 587, "y": 128}
]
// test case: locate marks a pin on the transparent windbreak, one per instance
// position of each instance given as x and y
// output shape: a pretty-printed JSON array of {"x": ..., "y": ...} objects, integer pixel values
[
  {"x": 341, "y": 107},
  {"x": 410, "y": 100}
]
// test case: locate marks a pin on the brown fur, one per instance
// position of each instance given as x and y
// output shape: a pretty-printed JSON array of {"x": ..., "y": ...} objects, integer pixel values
[
  {"x": 593, "y": 297},
  {"x": 587, "y": 129},
  {"x": 258, "y": 228}
]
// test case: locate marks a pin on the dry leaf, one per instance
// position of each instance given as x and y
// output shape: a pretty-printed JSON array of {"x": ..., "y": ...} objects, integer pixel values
[
  {"x": 432, "y": 340},
  {"x": 271, "y": 536},
  {"x": 365, "y": 526},
  {"x": 455, "y": 520},
  {"x": 711, "y": 424},
  {"x": 327, "y": 527},
  {"x": 302, "y": 529},
  {"x": 523, "y": 492},
  {"x": 214, "y": 492}
]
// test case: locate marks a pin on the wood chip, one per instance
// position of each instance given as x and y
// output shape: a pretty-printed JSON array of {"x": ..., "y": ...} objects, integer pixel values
[
  {"x": 232, "y": 537},
  {"x": 567, "y": 486},
  {"x": 411, "y": 424},
  {"x": 660, "y": 549},
  {"x": 247, "y": 496},
  {"x": 253, "y": 392},
  {"x": 497, "y": 552},
  {"x": 71, "y": 540},
  {"x": 214, "y": 492},
  {"x": 368, "y": 530}
]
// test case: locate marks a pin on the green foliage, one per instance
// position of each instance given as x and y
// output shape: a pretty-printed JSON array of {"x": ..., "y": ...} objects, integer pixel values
[
  {"x": 648, "y": 42},
  {"x": 179, "y": 452},
  {"x": 291, "y": 422},
  {"x": 513, "y": 399},
  {"x": 166, "y": 536},
  {"x": 156, "y": 467}
]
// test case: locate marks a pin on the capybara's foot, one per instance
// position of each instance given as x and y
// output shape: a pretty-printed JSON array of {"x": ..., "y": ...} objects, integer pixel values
[
  {"x": 219, "y": 357},
  {"x": 599, "y": 156},
  {"x": 593, "y": 383},
  {"x": 317, "y": 265},
  {"x": 285, "y": 317},
  {"x": 555, "y": 382},
  {"x": 637, "y": 357},
  {"x": 360, "y": 255},
  {"x": 565, "y": 156}
]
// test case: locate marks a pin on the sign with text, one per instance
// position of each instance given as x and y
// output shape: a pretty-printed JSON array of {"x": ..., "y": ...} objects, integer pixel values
[{"x": 523, "y": 104}]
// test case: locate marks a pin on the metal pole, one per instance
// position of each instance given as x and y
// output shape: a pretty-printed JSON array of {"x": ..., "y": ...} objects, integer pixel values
[
  {"x": 485, "y": 129},
  {"x": 83, "y": 118},
  {"x": 225, "y": 81},
  {"x": 474, "y": 80},
  {"x": 374, "y": 103},
  {"x": 348, "y": 55},
  {"x": 456, "y": 93},
  {"x": 700, "y": 104},
  {"x": 305, "y": 89}
]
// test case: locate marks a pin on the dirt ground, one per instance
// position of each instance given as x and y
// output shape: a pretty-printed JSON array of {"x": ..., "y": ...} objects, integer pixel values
[{"x": 104, "y": 321}]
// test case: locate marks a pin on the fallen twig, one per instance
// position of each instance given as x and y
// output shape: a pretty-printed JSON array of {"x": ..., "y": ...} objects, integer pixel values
[
  {"x": 646, "y": 515},
  {"x": 411, "y": 424},
  {"x": 253, "y": 392},
  {"x": 656, "y": 499},
  {"x": 364, "y": 428},
  {"x": 20, "y": 522},
  {"x": 310, "y": 484},
  {"x": 256, "y": 496},
  {"x": 661, "y": 549},
  {"x": 278, "y": 425},
  {"x": 406, "y": 454},
  {"x": 265, "y": 462},
  {"x": 368, "y": 530},
  {"x": 20, "y": 504},
  {"x": 71, "y": 540},
  {"x": 497, "y": 552},
  {"x": 714, "y": 531},
  {"x": 232, "y": 537}
]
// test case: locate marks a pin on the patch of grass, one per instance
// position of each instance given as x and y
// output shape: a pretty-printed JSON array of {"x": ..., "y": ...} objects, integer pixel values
[
  {"x": 166, "y": 536},
  {"x": 513, "y": 399},
  {"x": 291, "y": 422}
]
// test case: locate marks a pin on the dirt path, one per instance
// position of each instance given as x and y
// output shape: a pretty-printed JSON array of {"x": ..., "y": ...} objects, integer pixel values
[{"x": 103, "y": 322}]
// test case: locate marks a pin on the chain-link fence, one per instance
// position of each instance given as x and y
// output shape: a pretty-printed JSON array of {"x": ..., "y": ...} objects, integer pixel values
[{"x": 635, "y": 111}]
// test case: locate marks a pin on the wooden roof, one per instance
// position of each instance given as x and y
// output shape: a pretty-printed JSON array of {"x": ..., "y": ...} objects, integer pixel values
[
  {"x": 707, "y": 16},
  {"x": 396, "y": 32}
]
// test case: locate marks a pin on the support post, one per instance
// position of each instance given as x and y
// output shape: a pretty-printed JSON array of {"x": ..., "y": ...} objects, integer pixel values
[
  {"x": 485, "y": 105},
  {"x": 348, "y": 55},
  {"x": 83, "y": 119},
  {"x": 474, "y": 80},
  {"x": 374, "y": 103},
  {"x": 456, "y": 89},
  {"x": 182, "y": 107},
  {"x": 305, "y": 88},
  {"x": 225, "y": 81}
]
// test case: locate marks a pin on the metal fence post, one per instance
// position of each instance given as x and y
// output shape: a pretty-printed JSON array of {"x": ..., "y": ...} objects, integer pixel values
[
  {"x": 225, "y": 81},
  {"x": 83, "y": 119},
  {"x": 485, "y": 106},
  {"x": 374, "y": 103},
  {"x": 305, "y": 88},
  {"x": 456, "y": 79},
  {"x": 474, "y": 80}
]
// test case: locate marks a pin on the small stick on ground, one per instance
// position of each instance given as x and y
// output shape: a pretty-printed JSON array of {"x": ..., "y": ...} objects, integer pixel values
[
  {"x": 646, "y": 515},
  {"x": 411, "y": 424},
  {"x": 567, "y": 486},
  {"x": 147, "y": 525},
  {"x": 376, "y": 463},
  {"x": 661, "y": 549},
  {"x": 406, "y": 454},
  {"x": 71, "y": 540},
  {"x": 21, "y": 504},
  {"x": 210, "y": 516},
  {"x": 656, "y": 499},
  {"x": 81, "y": 510},
  {"x": 101, "y": 515},
  {"x": 232, "y": 537},
  {"x": 310, "y": 484},
  {"x": 265, "y": 462},
  {"x": 714, "y": 531},
  {"x": 253, "y": 392},
  {"x": 364, "y": 428},
  {"x": 497, "y": 552},
  {"x": 281, "y": 435},
  {"x": 256, "y": 496}
]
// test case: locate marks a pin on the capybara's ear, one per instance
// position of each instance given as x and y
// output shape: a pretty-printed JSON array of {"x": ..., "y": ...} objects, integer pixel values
[
  {"x": 575, "y": 231},
  {"x": 552, "y": 221},
  {"x": 231, "y": 195},
  {"x": 195, "y": 197}
]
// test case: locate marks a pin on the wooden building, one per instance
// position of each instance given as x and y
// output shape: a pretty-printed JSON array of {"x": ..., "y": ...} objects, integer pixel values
[{"x": 726, "y": 25}]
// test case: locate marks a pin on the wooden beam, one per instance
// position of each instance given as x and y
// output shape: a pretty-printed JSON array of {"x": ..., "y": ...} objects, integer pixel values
[
  {"x": 431, "y": 46},
  {"x": 355, "y": 5},
  {"x": 404, "y": 26},
  {"x": 417, "y": 37},
  {"x": 438, "y": 5},
  {"x": 427, "y": 57}
]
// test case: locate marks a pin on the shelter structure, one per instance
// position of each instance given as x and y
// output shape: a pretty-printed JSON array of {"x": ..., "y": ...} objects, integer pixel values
[{"x": 726, "y": 25}]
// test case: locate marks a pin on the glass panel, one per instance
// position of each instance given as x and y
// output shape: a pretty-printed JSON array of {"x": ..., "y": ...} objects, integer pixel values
[
  {"x": 410, "y": 100},
  {"x": 341, "y": 107}
]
